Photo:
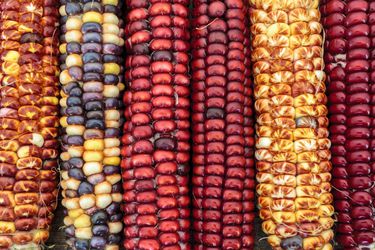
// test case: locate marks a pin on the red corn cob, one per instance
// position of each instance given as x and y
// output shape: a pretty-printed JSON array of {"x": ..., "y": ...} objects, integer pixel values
[
  {"x": 222, "y": 126},
  {"x": 28, "y": 121},
  {"x": 371, "y": 20},
  {"x": 249, "y": 194},
  {"x": 156, "y": 133},
  {"x": 348, "y": 65}
]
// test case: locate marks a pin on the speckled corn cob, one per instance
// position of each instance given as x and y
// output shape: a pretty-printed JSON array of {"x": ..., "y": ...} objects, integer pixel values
[
  {"x": 292, "y": 149},
  {"x": 28, "y": 121},
  {"x": 91, "y": 81}
]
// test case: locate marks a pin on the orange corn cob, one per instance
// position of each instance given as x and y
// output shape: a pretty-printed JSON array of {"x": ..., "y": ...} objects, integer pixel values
[
  {"x": 28, "y": 121},
  {"x": 292, "y": 148}
]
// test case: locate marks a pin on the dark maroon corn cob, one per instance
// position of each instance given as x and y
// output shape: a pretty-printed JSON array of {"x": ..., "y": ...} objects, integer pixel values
[
  {"x": 371, "y": 20},
  {"x": 222, "y": 126},
  {"x": 348, "y": 64},
  {"x": 249, "y": 185},
  {"x": 156, "y": 132}
]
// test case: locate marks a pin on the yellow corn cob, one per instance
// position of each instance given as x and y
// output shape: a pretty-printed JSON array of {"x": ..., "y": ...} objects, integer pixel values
[{"x": 292, "y": 149}]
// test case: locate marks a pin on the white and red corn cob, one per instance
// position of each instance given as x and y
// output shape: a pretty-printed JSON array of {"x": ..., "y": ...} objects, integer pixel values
[
  {"x": 223, "y": 174},
  {"x": 292, "y": 146},
  {"x": 348, "y": 58},
  {"x": 156, "y": 149},
  {"x": 28, "y": 121}
]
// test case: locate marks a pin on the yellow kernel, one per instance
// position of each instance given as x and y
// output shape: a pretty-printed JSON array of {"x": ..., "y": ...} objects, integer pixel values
[
  {"x": 82, "y": 221},
  {"x": 114, "y": 161},
  {"x": 83, "y": 233},
  {"x": 73, "y": 60},
  {"x": 62, "y": 48},
  {"x": 73, "y": 36},
  {"x": 94, "y": 144},
  {"x": 92, "y": 156},
  {"x": 74, "y": 213},
  {"x": 92, "y": 16},
  {"x": 11, "y": 56},
  {"x": 111, "y": 68},
  {"x": 74, "y": 23}
]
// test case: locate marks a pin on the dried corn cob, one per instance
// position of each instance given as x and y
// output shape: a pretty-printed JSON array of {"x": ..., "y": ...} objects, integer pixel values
[
  {"x": 249, "y": 123},
  {"x": 292, "y": 146},
  {"x": 91, "y": 78},
  {"x": 347, "y": 25},
  {"x": 371, "y": 20},
  {"x": 28, "y": 122},
  {"x": 223, "y": 184},
  {"x": 156, "y": 134}
]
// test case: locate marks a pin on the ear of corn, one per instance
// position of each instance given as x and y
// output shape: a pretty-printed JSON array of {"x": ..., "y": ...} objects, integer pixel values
[
  {"x": 223, "y": 184},
  {"x": 28, "y": 121},
  {"x": 156, "y": 132},
  {"x": 91, "y": 48},
  {"x": 348, "y": 56},
  {"x": 292, "y": 149},
  {"x": 372, "y": 99},
  {"x": 249, "y": 123}
]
